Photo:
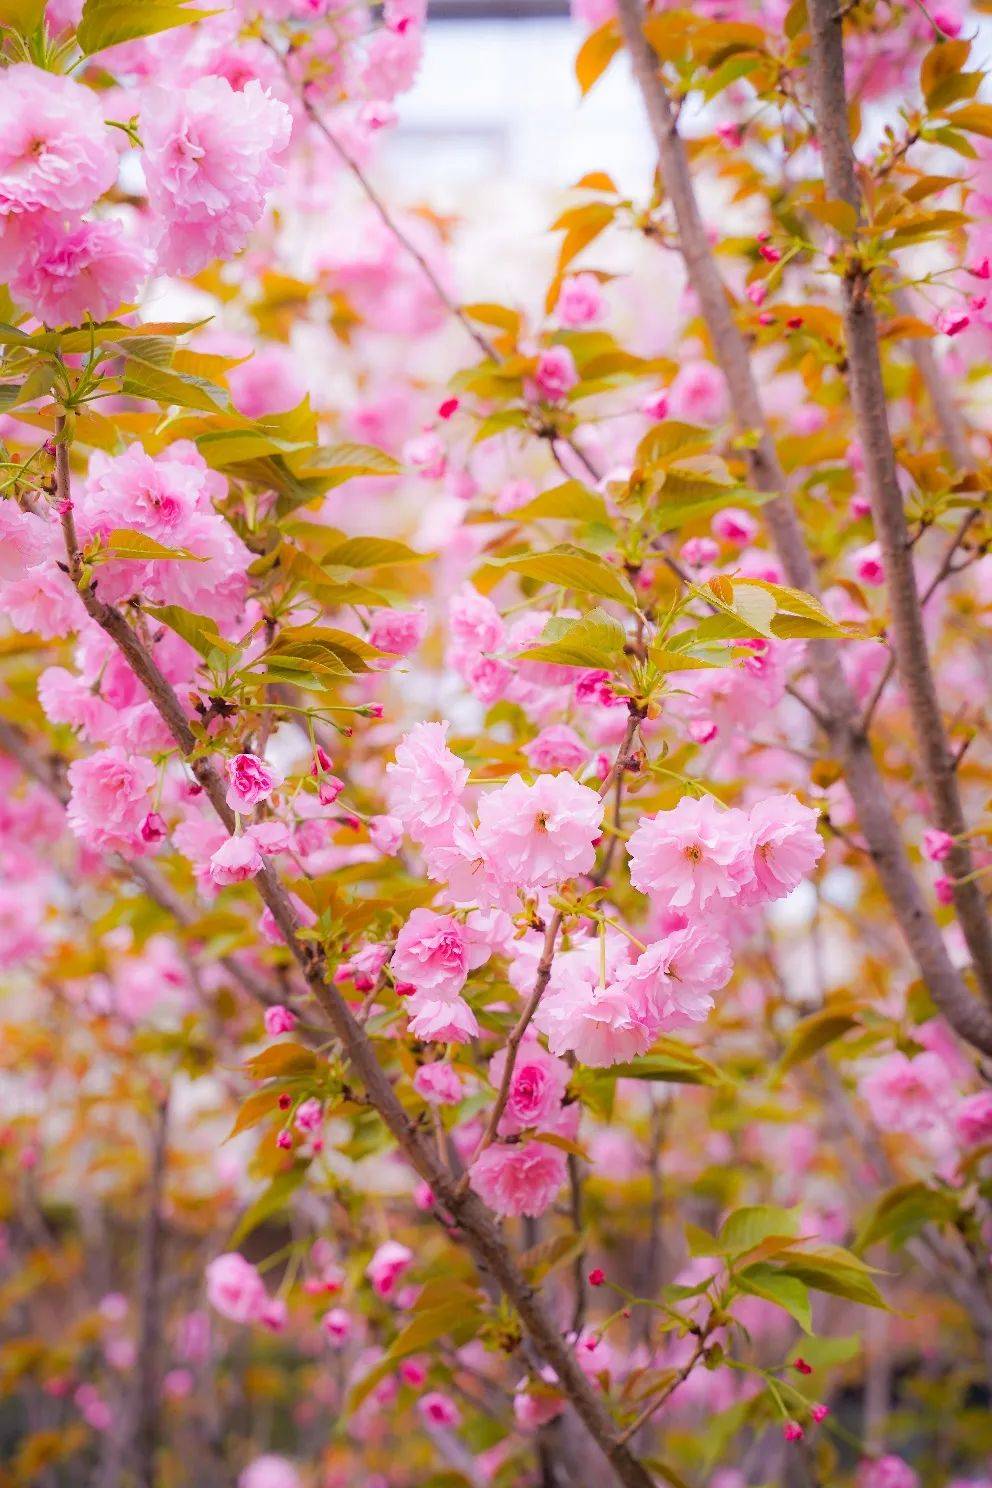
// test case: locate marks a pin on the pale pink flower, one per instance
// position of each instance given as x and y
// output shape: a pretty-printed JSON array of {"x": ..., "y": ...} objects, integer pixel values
[
  {"x": 439, "y": 1410},
  {"x": 488, "y": 679},
  {"x": 279, "y": 1019},
  {"x": 235, "y": 860},
  {"x": 267, "y": 924},
  {"x": 732, "y": 525},
  {"x": 110, "y": 798},
  {"x": 270, "y": 1471},
  {"x": 699, "y": 552},
  {"x": 973, "y": 1118},
  {"x": 522, "y": 1178},
  {"x": 338, "y": 1326},
  {"x": 699, "y": 394},
  {"x": 534, "y": 1405},
  {"x": 580, "y": 300},
  {"x": 474, "y": 621},
  {"x": 386, "y": 834},
  {"x": 540, "y": 834},
  {"x": 435, "y": 953},
  {"x": 234, "y": 1288},
  {"x": 269, "y": 382},
  {"x": 309, "y": 1115},
  {"x": 252, "y": 780},
  {"x": 427, "y": 454},
  {"x": 555, "y": 374},
  {"x": 674, "y": 977},
  {"x": 210, "y": 159},
  {"x": 425, "y": 782},
  {"x": 438, "y": 1083},
  {"x": 399, "y": 632},
  {"x": 599, "y": 1025},
  {"x": 692, "y": 855},
  {"x": 90, "y": 269},
  {"x": 556, "y": 747},
  {"x": 787, "y": 846},
  {"x": 56, "y": 152},
  {"x": 908, "y": 1094},
  {"x": 868, "y": 565},
  {"x": 537, "y": 1087},
  {"x": 388, "y": 1264},
  {"x": 937, "y": 845},
  {"x": 887, "y": 1472},
  {"x": 441, "y": 1020}
]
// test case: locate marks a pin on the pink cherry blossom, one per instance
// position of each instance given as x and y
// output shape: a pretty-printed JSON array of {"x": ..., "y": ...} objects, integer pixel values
[
  {"x": 600, "y": 1025},
  {"x": 908, "y": 1094},
  {"x": 580, "y": 300},
  {"x": 439, "y": 1410},
  {"x": 389, "y": 1263},
  {"x": 279, "y": 1019},
  {"x": 399, "y": 632},
  {"x": 522, "y": 1178},
  {"x": 441, "y": 1020},
  {"x": 435, "y": 953},
  {"x": 972, "y": 1118},
  {"x": 694, "y": 855},
  {"x": 536, "y": 1090},
  {"x": 110, "y": 795},
  {"x": 90, "y": 268},
  {"x": 556, "y": 747},
  {"x": 57, "y": 153},
  {"x": 270, "y": 1471},
  {"x": 252, "y": 780},
  {"x": 234, "y": 1288},
  {"x": 540, "y": 834},
  {"x": 235, "y": 860},
  {"x": 210, "y": 159},
  {"x": 338, "y": 1326},
  {"x": 555, "y": 374},
  {"x": 787, "y": 846},
  {"x": 937, "y": 845},
  {"x": 887, "y": 1472},
  {"x": 675, "y": 976},
  {"x": 439, "y": 1084},
  {"x": 425, "y": 783},
  {"x": 868, "y": 565}
]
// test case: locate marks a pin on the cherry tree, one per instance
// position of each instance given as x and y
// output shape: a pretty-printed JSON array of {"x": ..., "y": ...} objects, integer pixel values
[{"x": 497, "y": 969}]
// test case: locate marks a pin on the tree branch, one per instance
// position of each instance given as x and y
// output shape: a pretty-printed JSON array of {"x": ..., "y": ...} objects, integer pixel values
[
  {"x": 476, "y": 1226},
  {"x": 837, "y": 705},
  {"x": 909, "y": 641}
]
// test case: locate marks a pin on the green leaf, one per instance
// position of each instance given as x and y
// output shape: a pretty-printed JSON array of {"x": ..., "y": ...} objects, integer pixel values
[
  {"x": 369, "y": 552},
  {"x": 123, "y": 543},
  {"x": 146, "y": 379},
  {"x": 817, "y": 1031},
  {"x": 457, "y": 1315},
  {"x": 831, "y": 1269},
  {"x": 748, "y": 1227},
  {"x": 105, "y": 23},
  {"x": 569, "y": 569},
  {"x": 22, "y": 15},
  {"x": 277, "y": 1061},
  {"x": 272, "y": 1201},
  {"x": 669, "y": 1061},
  {"x": 597, "y": 641},
  {"x": 785, "y": 1291},
  {"x": 569, "y": 502},
  {"x": 903, "y": 1212},
  {"x": 198, "y": 631},
  {"x": 670, "y": 438}
]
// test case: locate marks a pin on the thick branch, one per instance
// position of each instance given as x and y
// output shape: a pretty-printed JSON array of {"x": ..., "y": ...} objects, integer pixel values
[
  {"x": 971, "y": 1019},
  {"x": 909, "y": 641}
]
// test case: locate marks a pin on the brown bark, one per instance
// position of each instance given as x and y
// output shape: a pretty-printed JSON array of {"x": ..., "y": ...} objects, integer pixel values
[
  {"x": 864, "y": 361},
  {"x": 971, "y": 1018}
]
